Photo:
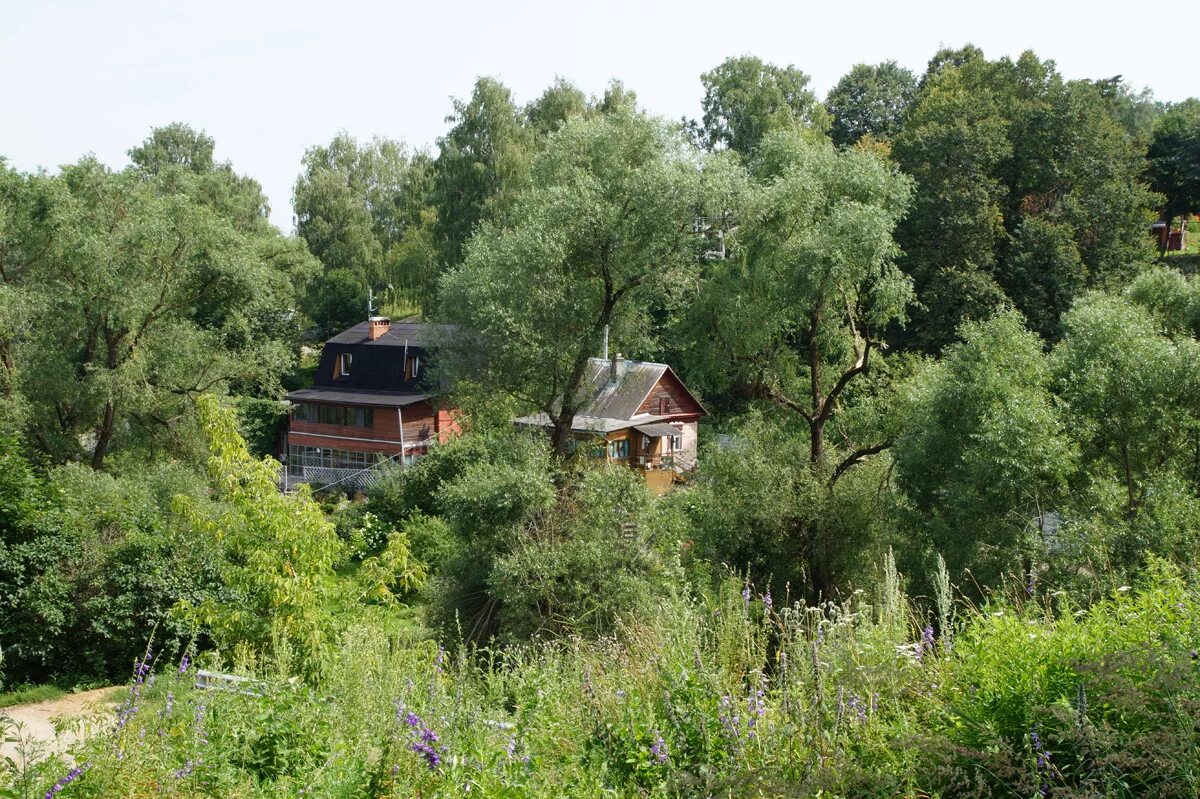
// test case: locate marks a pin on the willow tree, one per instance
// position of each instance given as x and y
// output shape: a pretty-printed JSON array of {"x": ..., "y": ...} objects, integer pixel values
[
  {"x": 797, "y": 314},
  {"x": 800, "y": 309},
  {"x": 142, "y": 291},
  {"x": 602, "y": 238}
]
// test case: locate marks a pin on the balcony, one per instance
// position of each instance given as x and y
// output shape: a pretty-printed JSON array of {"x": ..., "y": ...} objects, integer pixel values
[{"x": 652, "y": 462}]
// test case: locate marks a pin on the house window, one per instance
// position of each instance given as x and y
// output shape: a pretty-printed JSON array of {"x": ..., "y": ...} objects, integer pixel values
[
  {"x": 412, "y": 367},
  {"x": 344, "y": 364},
  {"x": 344, "y": 415},
  {"x": 664, "y": 405},
  {"x": 676, "y": 443},
  {"x": 618, "y": 449}
]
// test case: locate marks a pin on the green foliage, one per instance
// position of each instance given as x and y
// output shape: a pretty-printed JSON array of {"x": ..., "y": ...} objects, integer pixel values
[
  {"x": 746, "y": 98},
  {"x": 1175, "y": 158},
  {"x": 483, "y": 161},
  {"x": 259, "y": 423},
  {"x": 602, "y": 237},
  {"x": 601, "y": 557},
  {"x": 993, "y": 145},
  {"x": 1131, "y": 390},
  {"x": 278, "y": 552},
  {"x": 363, "y": 209},
  {"x": 720, "y": 696},
  {"x": 90, "y": 561},
  {"x": 151, "y": 285},
  {"x": 985, "y": 450},
  {"x": 335, "y": 301},
  {"x": 869, "y": 100}
]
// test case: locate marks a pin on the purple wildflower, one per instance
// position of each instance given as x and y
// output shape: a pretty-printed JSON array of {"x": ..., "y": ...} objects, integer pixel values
[
  {"x": 66, "y": 780},
  {"x": 186, "y": 771},
  {"x": 659, "y": 749},
  {"x": 427, "y": 751},
  {"x": 746, "y": 595},
  {"x": 766, "y": 600},
  {"x": 184, "y": 663},
  {"x": 927, "y": 638},
  {"x": 1045, "y": 769}
]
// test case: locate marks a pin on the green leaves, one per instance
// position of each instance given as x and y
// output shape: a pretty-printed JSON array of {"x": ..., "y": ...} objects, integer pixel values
[
  {"x": 150, "y": 286},
  {"x": 279, "y": 552},
  {"x": 745, "y": 99},
  {"x": 869, "y": 100},
  {"x": 985, "y": 447},
  {"x": 602, "y": 236}
]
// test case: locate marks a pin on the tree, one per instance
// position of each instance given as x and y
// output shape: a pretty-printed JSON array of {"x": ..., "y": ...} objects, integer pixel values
[
  {"x": 869, "y": 100},
  {"x": 1135, "y": 111},
  {"x": 175, "y": 145},
  {"x": 602, "y": 236},
  {"x": 1175, "y": 159},
  {"x": 746, "y": 98},
  {"x": 985, "y": 450},
  {"x": 991, "y": 145},
  {"x": 797, "y": 314},
  {"x": 482, "y": 164},
  {"x": 146, "y": 295},
  {"x": 561, "y": 101},
  {"x": 279, "y": 551},
  {"x": 1132, "y": 392},
  {"x": 179, "y": 159},
  {"x": 364, "y": 208}
]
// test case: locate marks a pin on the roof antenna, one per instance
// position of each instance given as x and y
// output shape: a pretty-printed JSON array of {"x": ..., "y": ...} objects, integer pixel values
[{"x": 605, "y": 355}]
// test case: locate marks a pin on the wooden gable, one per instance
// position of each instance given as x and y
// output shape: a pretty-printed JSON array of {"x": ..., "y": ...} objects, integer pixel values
[{"x": 670, "y": 397}]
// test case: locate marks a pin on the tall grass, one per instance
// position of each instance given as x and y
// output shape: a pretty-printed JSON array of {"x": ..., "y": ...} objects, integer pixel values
[{"x": 725, "y": 694}]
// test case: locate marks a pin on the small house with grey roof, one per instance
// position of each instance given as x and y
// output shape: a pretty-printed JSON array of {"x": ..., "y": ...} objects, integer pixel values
[{"x": 636, "y": 413}]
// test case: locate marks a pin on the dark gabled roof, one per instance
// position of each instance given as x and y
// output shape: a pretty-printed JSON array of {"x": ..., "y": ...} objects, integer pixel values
[
  {"x": 619, "y": 400},
  {"x": 416, "y": 334},
  {"x": 613, "y": 405},
  {"x": 350, "y": 396}
]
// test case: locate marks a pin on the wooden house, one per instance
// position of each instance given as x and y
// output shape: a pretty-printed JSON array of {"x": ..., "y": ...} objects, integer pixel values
[
  {"x": 369, "y": 402},
  {"x": 635, "y": 413}
]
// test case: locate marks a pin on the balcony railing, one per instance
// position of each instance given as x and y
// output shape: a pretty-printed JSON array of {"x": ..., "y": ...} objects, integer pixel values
[{"x": 650, "y": 462}]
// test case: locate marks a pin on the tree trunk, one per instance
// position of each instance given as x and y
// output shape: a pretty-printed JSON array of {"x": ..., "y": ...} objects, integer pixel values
[
  {"x": 561, "y": 434},
  {"x": 104, "y": 436}
]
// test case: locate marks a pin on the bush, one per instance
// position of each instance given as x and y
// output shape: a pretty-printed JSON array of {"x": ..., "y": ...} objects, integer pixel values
[{"x": 604, "y": 554}]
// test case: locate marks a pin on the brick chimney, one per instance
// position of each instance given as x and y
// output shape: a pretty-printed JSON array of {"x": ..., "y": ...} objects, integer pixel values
[{"x": 377, "y": 326}]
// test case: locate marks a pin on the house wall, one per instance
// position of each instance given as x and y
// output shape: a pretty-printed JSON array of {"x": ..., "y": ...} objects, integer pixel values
[
  {"x": 690, "y": 437},
  {"x": 420, "y": 423},
  {"x": 669, "y": 387}
]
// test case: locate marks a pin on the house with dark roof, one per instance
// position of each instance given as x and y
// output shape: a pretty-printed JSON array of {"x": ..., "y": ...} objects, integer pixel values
[
  {"x": 369, "y": 403},
  {"x": 636, "y": 413}
]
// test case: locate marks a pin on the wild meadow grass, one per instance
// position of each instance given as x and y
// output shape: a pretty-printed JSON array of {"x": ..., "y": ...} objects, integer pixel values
[{"x": 728, "y": 694}]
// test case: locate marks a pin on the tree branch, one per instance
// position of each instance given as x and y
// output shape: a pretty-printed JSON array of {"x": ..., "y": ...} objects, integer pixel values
[{"x": 856, "y": 457}]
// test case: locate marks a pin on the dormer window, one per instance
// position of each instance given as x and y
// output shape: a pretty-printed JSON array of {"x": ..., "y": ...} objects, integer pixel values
[
  {"x": 344, "y": 361},
  {"x": 412, "y": 368}
]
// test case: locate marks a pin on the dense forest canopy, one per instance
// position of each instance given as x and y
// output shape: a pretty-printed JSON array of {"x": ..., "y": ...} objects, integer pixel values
[{"x": 945, "y": 359}]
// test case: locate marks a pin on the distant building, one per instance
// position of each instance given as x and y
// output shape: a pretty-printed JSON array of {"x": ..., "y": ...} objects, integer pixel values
[
  {"x": 639, "y": 414},
  {"x": 369, "y": 402}
]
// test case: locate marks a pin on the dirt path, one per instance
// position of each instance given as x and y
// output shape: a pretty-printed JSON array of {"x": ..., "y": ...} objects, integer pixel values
[{"x": 37, "y": 719}]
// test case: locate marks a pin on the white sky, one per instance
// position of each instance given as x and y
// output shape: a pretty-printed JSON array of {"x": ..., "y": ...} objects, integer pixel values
[{"x": 268, "y": 79}]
